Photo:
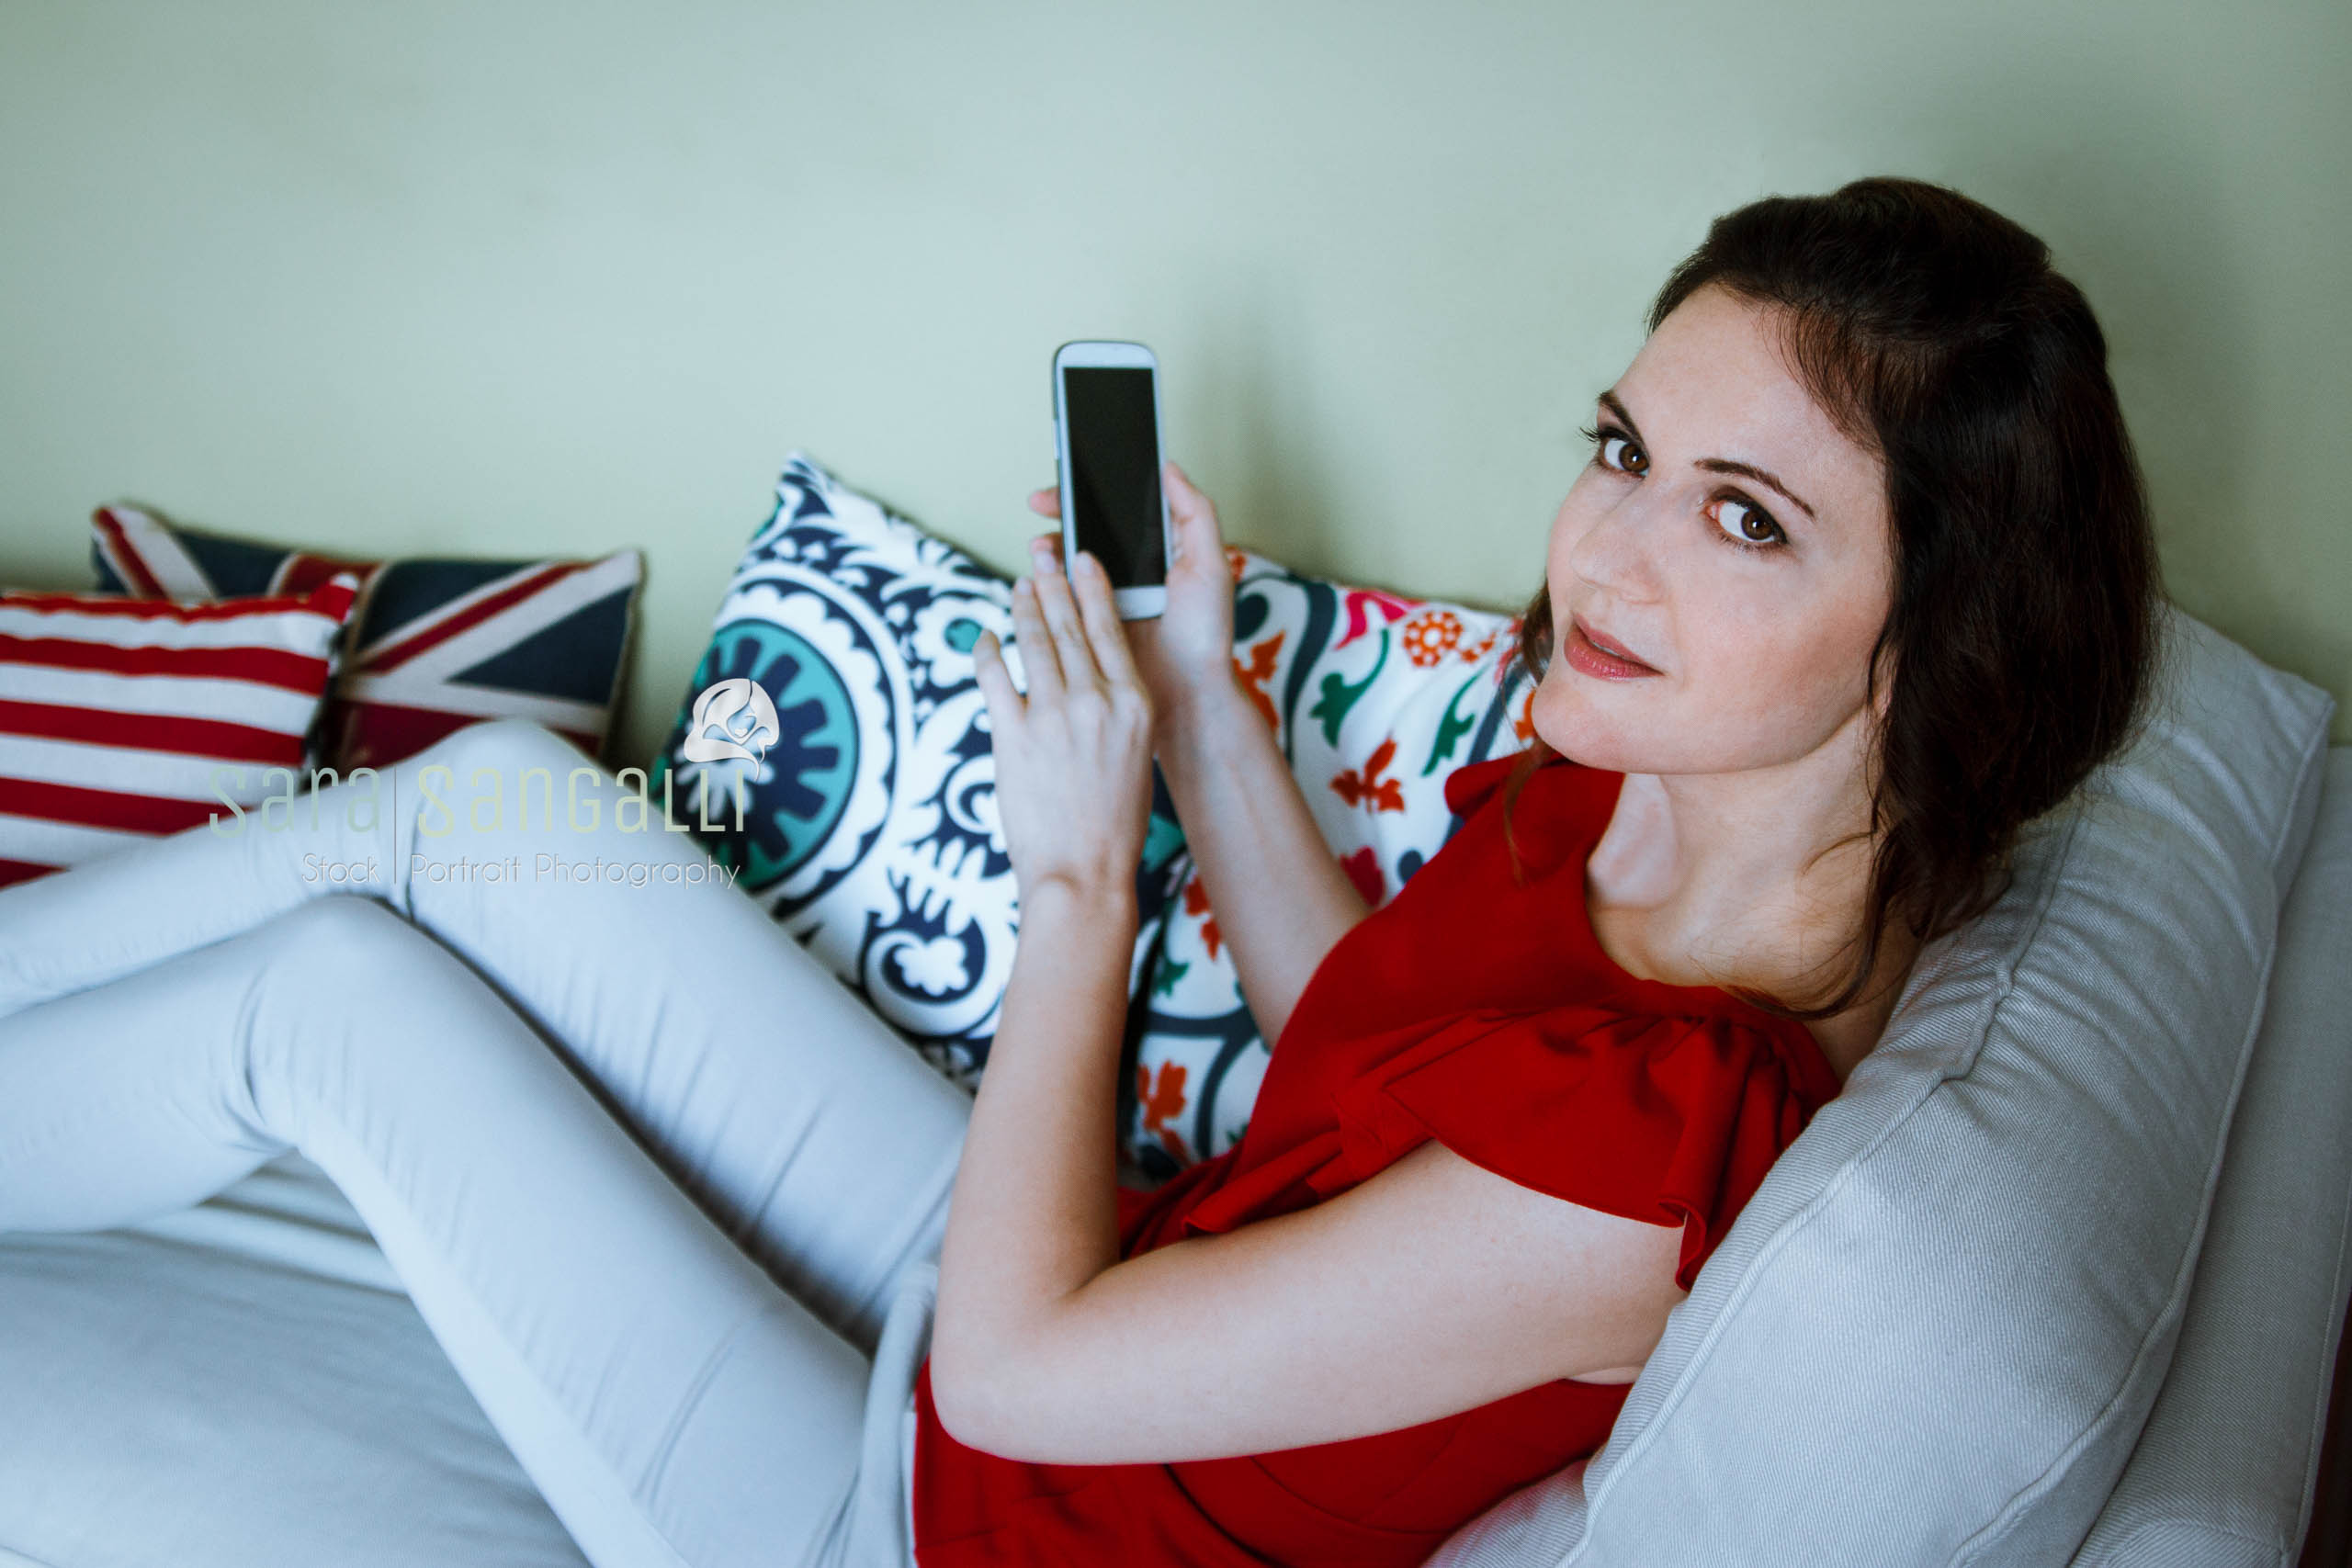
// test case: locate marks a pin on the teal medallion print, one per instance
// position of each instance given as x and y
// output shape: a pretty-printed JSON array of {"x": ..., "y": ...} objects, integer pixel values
[{"x": 796, "y": 794}]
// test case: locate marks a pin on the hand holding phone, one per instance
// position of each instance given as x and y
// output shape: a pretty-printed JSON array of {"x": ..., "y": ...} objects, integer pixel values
[
  {"x": 1106, "y": 421},
  {"x": 1188, "y": 648}
]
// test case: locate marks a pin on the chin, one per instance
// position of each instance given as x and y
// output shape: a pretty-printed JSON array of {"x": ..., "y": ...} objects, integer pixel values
[
  {"x": 1635, "y": 727},
  {"x": 1570, "y": 721}
]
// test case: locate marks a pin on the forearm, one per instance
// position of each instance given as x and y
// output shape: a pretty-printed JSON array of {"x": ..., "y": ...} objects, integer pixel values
[
  {"x": 1281, "y": 897},
  {"x": 1033, "y": 1216}
]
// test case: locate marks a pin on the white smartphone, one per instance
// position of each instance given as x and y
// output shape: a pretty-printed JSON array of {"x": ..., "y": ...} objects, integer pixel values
[{"x": 1106, "y": 428}]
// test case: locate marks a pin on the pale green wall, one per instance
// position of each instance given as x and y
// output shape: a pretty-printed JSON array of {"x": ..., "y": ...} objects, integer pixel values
[{"x": 558, "y": 276}]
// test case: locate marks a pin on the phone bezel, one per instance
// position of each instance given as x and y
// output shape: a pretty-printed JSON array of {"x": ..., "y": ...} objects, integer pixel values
[{"x": 1150, "y": 598}]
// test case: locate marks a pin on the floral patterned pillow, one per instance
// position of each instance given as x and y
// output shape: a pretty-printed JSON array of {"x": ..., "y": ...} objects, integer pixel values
[
  {"x": 829, "y": 750},
  {"x": 1375, "y": 699}
]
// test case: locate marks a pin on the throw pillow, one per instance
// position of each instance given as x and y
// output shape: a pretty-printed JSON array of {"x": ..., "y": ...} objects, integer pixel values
[
  {"x": 435, "y": 644},
  {"x": 832, "y": 750},
  {"x": 125, "y": 719},
  {"x": 1375, "y": 699}
]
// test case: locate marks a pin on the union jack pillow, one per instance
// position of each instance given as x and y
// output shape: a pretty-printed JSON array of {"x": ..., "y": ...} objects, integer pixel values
[
  {"x": 124, "y": 719},
  {"x": 435, "y": 644},
  {"x": 1375, "y": 699}
]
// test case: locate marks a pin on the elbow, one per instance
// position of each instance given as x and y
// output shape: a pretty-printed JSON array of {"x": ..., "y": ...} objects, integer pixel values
[
  {"x": 961, "y": 1397},
  {"x": 979, "y": 1392}
]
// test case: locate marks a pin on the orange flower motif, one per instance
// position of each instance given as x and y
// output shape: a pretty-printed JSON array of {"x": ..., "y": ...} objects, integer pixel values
[
  {"x": 1162, "y": 1101},
  {"x": 1430, "y": 635},
  {"x": 1368, "y": 788},
  {"x": 1235, "y": 561},
  {"x": 1196, "y": 902},
  {"x": 1478, "y": 651},
  {"x": 1522, "y": 723},
  {"x": 1254, "y": 675}
]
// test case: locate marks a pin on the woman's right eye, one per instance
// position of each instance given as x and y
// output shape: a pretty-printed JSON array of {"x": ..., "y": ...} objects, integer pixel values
[{"x": 1618, "y": 452}]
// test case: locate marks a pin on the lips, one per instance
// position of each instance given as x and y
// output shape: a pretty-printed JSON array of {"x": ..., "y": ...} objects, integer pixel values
[{"x": 1600, "y": 656}]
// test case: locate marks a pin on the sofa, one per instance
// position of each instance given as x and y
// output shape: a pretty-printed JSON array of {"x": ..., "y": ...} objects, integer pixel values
[{"x": 2058, "y": 1279}]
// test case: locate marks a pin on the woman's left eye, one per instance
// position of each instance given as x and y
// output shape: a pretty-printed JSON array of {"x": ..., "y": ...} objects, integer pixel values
[{"x": 1746, "y": 523}]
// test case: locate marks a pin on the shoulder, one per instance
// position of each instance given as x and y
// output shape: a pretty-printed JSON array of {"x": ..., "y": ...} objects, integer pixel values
[
  {"x": 1470, "y": 786},
  {"x": 1560, "y": 809},
  {"x": 1668, "y": 1118}
]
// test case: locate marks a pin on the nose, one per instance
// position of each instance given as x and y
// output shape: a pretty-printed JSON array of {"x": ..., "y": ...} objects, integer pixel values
[{"x": 1617, "y": 550}]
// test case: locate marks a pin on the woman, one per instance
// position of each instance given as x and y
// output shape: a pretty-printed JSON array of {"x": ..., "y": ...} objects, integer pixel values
[{"x": 1857, "y": 581}]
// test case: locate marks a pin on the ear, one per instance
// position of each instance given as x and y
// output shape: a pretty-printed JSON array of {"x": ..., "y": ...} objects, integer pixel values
[{"x": 1883, "y": 687}]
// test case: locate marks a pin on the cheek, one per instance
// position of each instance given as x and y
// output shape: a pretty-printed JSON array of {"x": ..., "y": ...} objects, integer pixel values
[
  {"x": 1740, "y": 659},
  {"x": 1761, "y": 676},
  {"x": 1774, "y": 678}
]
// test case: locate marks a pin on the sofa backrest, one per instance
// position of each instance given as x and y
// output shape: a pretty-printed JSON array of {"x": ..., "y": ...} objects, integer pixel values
[{"x": 1934, "y": 1332}]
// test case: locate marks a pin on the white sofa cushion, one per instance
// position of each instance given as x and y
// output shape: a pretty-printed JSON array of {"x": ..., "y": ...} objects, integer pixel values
[
  {"x": 244, "y": 1384},
  {"x": 1935, "y": 1332},
  {"x": 2223, "y": 1473}
]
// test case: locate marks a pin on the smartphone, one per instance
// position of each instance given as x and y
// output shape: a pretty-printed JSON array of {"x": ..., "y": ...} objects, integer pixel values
[{"x": 1107, "y": 424}]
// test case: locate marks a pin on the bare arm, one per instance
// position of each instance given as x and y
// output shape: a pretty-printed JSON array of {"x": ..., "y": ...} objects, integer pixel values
[
  {"x": 1280, "y": 898},
  {"x": 1435, "y": 1287},
  {"x": 1033, "y": 1215}
]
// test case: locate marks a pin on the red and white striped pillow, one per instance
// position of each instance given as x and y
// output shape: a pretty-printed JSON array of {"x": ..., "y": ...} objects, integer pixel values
[
  {"x": 436, "y": 643},
  {"x": 124, "y": 719}
]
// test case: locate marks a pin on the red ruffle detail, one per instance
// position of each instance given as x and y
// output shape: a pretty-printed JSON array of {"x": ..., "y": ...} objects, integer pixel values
[
  {"x": 1468, "y": 787},
  {"x": 1671, "y": 1121}
]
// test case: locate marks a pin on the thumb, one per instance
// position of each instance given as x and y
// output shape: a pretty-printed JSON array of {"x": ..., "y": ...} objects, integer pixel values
[{"x": 1194, "y": 516}]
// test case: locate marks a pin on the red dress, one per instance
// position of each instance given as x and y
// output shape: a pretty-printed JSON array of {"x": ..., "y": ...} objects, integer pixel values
[{"x": 1481, "y": 1012}]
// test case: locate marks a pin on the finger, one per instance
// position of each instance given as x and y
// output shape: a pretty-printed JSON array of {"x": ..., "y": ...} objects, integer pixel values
[
  {"x": 1193, "y": 520},
  {"x": 1047, "y": 503},
  {"x": 1105, "y": 630},
  {"x": 1078, "y": 667},
  {"x": 1051, "y": 543},
  {"x": 995, "y": 683},
  {"x": 1037, "y": 656}
]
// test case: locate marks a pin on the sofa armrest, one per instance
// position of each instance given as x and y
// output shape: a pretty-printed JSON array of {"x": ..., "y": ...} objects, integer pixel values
[{"x": 2231, "y": 1467}]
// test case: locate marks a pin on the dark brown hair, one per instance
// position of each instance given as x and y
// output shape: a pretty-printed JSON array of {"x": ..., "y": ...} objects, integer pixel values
[{"x": 1935, "y": 334}]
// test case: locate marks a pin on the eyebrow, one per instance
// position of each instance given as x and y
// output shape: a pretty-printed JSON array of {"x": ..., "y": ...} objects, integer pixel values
[{"x": 1714, "y": 465}]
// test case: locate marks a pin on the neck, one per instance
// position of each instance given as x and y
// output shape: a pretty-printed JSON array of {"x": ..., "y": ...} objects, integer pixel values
[{"x": 1755, "y": 878}]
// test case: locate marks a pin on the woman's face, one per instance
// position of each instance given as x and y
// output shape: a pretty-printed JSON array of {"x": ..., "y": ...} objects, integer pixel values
[{"x": 1729, "y": 537}]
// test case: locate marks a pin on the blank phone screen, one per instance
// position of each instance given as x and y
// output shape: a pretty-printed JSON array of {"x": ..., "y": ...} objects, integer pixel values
[{"x": 1114, "y": 472}]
